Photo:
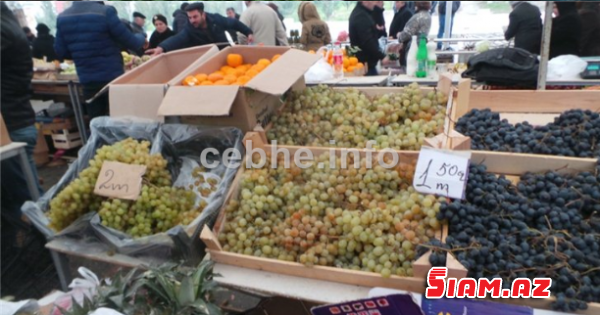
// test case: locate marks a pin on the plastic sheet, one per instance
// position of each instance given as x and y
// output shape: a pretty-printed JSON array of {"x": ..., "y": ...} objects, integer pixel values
[{"x": 181, "y": 146}]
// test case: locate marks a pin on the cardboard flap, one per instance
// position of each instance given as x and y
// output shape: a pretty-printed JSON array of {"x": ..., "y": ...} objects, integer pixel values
[
  {"x": 198, "y": 100},
  {"x": 136, "y": 100},
  {"x": 277, "y": 80}
]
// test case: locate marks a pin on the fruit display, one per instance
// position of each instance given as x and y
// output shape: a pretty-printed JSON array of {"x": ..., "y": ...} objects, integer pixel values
[
  {"x": 546, "y": 225},
  {"x": 352, "y": 217},
  {"x": 158, "y": 208},
  {"x": 236, "y": 72},
  {"x": 401, "y": 121},
  {"x": 351, "y": 63},
  {"x": 574, "y": 133},
  {"x": 132, "y": 61}
]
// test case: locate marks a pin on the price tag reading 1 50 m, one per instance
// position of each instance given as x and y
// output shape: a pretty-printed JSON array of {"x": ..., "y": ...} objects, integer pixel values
[{"x": 442, "y": 172}]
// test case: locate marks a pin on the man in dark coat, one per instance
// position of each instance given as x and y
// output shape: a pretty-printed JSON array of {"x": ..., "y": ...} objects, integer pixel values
[
  {"x": 139, "y": 21},
  {"x": 590, "y": 22},
  {"x": 525, "y": 25},
  {"x": 566, "y": 30},
  {"x": 43, "y": 45},
  {"x": 180, "y": 19},
  {"x": 17, "y": 113},
  {"x": 364, "y": 35},
  {"x": 92, "y": 35},
  {"x": 203, "y": 28},
  {"x": 379, "y": 18}
]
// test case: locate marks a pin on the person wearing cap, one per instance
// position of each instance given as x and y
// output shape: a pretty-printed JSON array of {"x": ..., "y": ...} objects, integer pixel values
[
  {"x": 203, "y": 28},
  {"x": 43, "y": 45},
  {"x": 139, "y": 21},
  {"x": 525, "y": 26},
  {"x": 92, "y": 35},
  {"x": 162, "y": 31}
]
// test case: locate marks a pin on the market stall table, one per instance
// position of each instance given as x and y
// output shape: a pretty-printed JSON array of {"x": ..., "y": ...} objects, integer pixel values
[
  {"x": 403, "y": 79},
  {"x": 18, "y": 149},
  {"x": 380, "y": 80},
  {"x": 305, "y": 289}
]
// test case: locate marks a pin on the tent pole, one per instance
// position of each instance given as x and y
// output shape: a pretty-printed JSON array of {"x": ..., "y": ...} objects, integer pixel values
[{"x": 542, "y": 73}]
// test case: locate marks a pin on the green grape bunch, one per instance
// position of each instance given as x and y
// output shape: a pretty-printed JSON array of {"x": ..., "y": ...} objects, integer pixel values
[
  {"x": 355, "y": 218},
  {"x": 158, "y": 208},
  {"x": 400, "y": 121}
]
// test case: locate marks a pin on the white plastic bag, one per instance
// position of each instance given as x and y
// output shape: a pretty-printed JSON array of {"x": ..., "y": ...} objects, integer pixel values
[
  {"x": 105, "y": 311},
  {"x": 319, "y": 72},
  {"x": 565, "y": 67}
]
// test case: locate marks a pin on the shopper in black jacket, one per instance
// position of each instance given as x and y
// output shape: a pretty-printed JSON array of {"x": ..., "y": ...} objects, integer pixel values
[
  {"x": 590, "y": 21},
  {"x": 403, "y": 14},
  {"x": 162, "y": 31},
  {"x": 180, "y": 18},
  {"x": 364, "y": 35},
  {"x": 566, "y": 30},
  {"x": 17, "y": 113},
  {"x": 379, "y": 18},
  {"x": 525, "y": 26},
  {"x": 442, "y": 18},
  {"x": 43, "y": 44}
]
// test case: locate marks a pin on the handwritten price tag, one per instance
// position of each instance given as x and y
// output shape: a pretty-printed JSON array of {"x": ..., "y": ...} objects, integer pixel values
[
  {"x": 442, "y": 172},
  {"x": 119, "y": 180}
]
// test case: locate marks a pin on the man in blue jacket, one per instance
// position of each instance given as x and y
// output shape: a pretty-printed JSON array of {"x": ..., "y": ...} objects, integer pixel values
[
  {"x": 204, "y": 28},
  {"x": 92, "y": 35}
]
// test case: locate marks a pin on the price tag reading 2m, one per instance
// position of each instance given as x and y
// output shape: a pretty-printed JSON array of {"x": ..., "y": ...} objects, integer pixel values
[
  {"x": 119, "y": 180},
  {"x": 442, "y": 173}
]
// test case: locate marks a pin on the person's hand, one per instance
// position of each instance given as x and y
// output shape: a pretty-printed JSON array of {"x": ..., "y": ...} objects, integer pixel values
[
  {"x": 250, "y": 39},
  {"x": 386, "y": 60},
  {"x": 380, "y": 27},
  {"x": 155, "y": 51},
  {"x": 394, "y": 48},
  {"x": 146, "y": 44}
]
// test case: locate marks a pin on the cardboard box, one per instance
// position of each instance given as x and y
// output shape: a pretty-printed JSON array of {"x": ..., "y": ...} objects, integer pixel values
[
  {"x": 4, "y": 136},
  {"x": 140, "y": 91},
  {"x": 238, "y": 106}
]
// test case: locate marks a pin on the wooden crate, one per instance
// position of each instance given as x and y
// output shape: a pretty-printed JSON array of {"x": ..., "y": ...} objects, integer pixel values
[
  {"x": 66, "y": 139},
  {"x": 209, "y": 236},
  {"x": 536, "y": 107},
  {"x": 513, "y": 166},
  {"x": 441, "y": 141}
]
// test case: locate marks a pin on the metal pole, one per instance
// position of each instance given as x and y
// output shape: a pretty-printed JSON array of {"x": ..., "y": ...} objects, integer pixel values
[
  {"x": 545, "y": 53},
  {"x": 447, "y": 23}
]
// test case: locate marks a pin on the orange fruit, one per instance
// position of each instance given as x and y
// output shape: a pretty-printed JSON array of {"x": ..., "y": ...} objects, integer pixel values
[
  {"x": 234, "y": 60},
  {"x": 222, "y": 82},
  {"x": 230, "y": 78},
  {"x": 360, "y": 65},
  {"x": 346, "y": 62},
  {"x": 190, "y": 81},
  {"x": 275, "y": 57},
  {"x": 259, "y": 67},
  {"x": 351, "y": 68},
  {"x": 224, "y": 69},
  {"x": 243, "y": 80},
  {"x": 353, "y": 61},
  {"x": 214, "y": 77},
  {"x": 264, "y": 62},
  {"x": 207, "y": 82},
  {"x": 239, "y": 71},
  {"x": 312, "y": 52},
  {"x": 252, "y": 73},
  {"x": 201, "y": 77},
  {"x": 231, "y": 71},
  {"x": 344, "y": 51}
]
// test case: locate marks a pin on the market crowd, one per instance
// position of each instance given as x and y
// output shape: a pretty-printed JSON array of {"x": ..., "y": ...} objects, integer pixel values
[{"x": 93, "y": 36}]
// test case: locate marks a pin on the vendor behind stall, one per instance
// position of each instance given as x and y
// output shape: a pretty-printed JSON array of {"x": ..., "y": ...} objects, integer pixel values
[{"x": 43, "y": 45}]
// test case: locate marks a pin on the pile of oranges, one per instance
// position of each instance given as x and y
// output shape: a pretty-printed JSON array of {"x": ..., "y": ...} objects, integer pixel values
[
  {"x": 351, "y": 64},
  {"x": 234, "y": 73}
]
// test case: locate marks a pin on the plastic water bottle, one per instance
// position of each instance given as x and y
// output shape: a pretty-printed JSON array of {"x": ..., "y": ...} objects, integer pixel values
[
  {"x": 338, "y": 62},
  {"x": 411, "y": 58},
  {"x": 422, "y": 58},
  {"x": 431, "y": 60}
]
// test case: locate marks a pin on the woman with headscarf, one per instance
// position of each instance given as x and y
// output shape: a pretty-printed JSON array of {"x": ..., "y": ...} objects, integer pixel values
[
  {"x": 566, "y": 30},
  {"x": 43, "y": 44},
  {"x": 419, "y": 23},
  {"x": 590, "y": 24},
  {"x": 315, "y": 32},
  {"x": 525, "y": 26},
  {"x": 162, "y": 31}
]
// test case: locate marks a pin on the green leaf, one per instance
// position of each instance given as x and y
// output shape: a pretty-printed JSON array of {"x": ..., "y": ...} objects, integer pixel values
[
  {"x": 201, "y": 306},
  {"x": 167, "y": 288},
  {"x": 117, "y": 300},
  {"x": 186, "y": 292},
  {"x": 157, "y": 290},
  {"x": 213, "y": 309},
  {"x": 200, "y": 275}
]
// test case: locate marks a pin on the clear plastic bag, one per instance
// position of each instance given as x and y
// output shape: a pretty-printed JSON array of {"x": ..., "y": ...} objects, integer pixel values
[
  {"x": 180, "y": 145},
  {"x": 565, "y": 67}
]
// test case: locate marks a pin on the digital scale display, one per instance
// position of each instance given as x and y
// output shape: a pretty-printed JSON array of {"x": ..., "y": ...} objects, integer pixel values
[{"x": 592, "y": 71}]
